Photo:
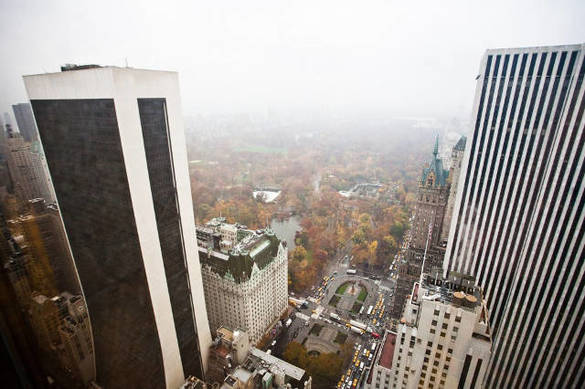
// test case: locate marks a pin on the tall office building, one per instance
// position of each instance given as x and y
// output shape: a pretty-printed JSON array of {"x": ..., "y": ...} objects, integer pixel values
[
  {"x": 518, "y": 225},
  {"x": 25, "y": 121},
  {"x": 115, "y": 146}
]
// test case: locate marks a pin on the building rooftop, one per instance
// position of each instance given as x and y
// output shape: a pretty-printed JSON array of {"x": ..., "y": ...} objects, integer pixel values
[
  {"x": 193, "y": 383},
  {"x": 252, "y": 249},
  {"x": 71, "y": 66},
  {"x": 242, "y": 374},
  {"x": 290, "y": 370},
  {"x": 268, "y": 369},
  {"x": 460, "y": 145},
  {"x": 225, "y": 333},
  {"x": 387, "y": 351},
  {"x": 457, "y": 289}
]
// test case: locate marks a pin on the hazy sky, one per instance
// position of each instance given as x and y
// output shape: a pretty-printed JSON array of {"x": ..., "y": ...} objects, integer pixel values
[{"x": 392, "y": 57}]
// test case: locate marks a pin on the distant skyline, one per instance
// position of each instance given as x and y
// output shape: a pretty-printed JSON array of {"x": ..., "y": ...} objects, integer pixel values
[{"x": 378, "y": 57}]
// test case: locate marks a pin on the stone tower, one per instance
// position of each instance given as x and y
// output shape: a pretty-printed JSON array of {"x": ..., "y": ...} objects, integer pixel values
[{"x": 433, "y": 193}]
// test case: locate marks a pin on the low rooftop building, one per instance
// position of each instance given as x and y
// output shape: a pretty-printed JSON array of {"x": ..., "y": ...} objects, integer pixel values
[
  {"x": 193, "y": 383},
  {"x": 262, "y": 370},
  {"x": 230, "y": 348},
  {"x": 380, "y": 373}
]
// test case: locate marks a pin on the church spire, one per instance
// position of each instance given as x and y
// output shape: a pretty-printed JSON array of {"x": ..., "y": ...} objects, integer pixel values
[{"x": 436, "y": 150}]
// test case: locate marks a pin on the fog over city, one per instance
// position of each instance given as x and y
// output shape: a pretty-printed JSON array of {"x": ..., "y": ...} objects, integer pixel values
[
  {"x": 279, "y": 194},
  {"x": 394, "y": 58}
]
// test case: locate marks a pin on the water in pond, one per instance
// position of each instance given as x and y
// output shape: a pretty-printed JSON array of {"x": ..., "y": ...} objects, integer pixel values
[{"x": 286, "y": 229}]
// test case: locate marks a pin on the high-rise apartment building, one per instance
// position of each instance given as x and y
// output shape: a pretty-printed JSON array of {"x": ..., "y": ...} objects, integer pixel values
[
  {"x": 443, "y": 339},
  {"x": 432, "y": 196},
  {"x": 25, "y": 167},
  {"x": 62, "y": 330},
  {"x": 42, "y": 237},
  {"x": 247, "y": 286},
  {"x": 453, "y": 180},
  {"x": 518, "y": 223},
  {"x": 115, "y": 146},
  {"x": 25, "y": 121}
]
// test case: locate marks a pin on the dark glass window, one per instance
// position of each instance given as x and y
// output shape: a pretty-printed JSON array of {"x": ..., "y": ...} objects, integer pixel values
[
  {"x": 82, "y": 145},
  {"x": 158, "y": 150}
]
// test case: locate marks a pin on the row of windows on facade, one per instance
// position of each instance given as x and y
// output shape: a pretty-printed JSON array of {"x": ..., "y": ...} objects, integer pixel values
[{"x": 518, "y": 86}]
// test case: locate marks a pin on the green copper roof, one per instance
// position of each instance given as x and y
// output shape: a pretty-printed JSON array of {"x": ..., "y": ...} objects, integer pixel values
[
  {"x": 436, "y": 167},
  {"x": 460, "y": 146},
  {"x": 239, "y": 266}
]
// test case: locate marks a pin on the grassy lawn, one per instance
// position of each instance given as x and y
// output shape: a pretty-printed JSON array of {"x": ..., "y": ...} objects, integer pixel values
[
  {"x": 363, "y": 295},
  {"x": 356, "y": 307},
  {"x": 316, "y": 329},
  {"x": 334, "y": 300},
  {"x": 340, "y": 338},
  {"x": 342, "y": 288}
]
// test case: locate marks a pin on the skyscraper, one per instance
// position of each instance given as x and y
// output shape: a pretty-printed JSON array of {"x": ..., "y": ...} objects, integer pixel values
[
  {"x": 433, "y": 192},
  {"x": 431, "y": 201},
  {"x": 26, "y": 169},
  {"x": 25, "y": 121},
  {"x": 115, "y": 147},
  {"x": 518, "y": 223}
]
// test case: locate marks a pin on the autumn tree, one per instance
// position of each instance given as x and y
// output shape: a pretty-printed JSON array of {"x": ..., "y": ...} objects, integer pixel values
[
  {"x": 324, "y": 369},
  {"x": 299, "y": 253},
  {"x": 372, "y": 247}
]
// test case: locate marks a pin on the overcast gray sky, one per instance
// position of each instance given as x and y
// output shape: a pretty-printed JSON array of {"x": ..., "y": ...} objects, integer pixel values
[{"x": 415, "y": 58}]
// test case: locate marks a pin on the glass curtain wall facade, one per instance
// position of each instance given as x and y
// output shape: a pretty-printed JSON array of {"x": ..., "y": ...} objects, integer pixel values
[{"x": 117, "y": 167}]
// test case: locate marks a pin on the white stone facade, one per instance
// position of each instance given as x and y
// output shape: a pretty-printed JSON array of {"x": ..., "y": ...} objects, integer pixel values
[
  {"x": 440, "y": 343},
  {"x": 229, "y": 234},
  {"x": 254, "y": 304},
  {"x": 381, "y": 378}
]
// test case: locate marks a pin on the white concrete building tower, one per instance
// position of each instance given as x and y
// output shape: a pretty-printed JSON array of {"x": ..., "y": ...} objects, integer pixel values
[
  {"x": 115, "y": 147},
  {"x": 443, "y": 340},
  {"x": 519, "y": 221}
]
